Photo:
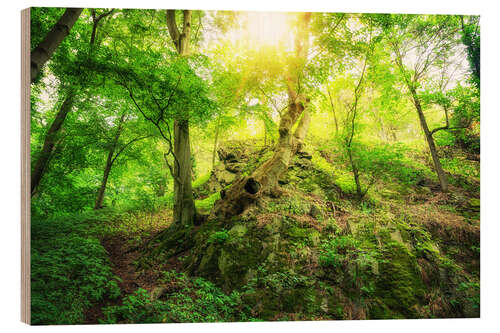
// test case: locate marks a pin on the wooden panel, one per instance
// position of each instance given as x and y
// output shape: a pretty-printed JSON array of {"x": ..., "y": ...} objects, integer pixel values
[{"x": 25, "y": 168}]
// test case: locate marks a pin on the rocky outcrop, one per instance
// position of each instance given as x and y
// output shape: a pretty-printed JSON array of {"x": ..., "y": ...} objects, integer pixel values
[{"x": 310, "y": 252}]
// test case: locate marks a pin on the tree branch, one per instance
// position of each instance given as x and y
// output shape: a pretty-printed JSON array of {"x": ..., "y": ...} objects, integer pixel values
[
  {"x": 95, "y": 21},
  {"x": 126, "y": 145}
]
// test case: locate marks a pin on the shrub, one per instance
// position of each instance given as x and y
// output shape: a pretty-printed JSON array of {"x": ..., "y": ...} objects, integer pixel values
[
  {"x": 333, "y": 251},
  {"x": 190, "y": 300},
  {"x": 386, "y": 162},
  {"x": 218, "y": 237}
]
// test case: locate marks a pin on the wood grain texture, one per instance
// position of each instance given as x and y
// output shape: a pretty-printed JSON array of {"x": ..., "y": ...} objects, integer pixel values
[{"x": 25, "y": 168}]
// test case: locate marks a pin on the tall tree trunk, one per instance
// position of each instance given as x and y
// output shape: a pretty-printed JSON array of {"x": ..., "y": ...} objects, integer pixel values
[
  {"x": 184, "y": 208},
  {"x": 355, "y": 172},
  {"x": 394, "y": 136},
  {"x": 109, "y": 164},
  {"x": 333, "y": 111},
  {"x": 411, "y": 84},
  {"x": 265, "y": 134},
  {"x": 102, "y": 188},
  {"x": 49, "y": 142},
  {"x": 443, "y": 181},
  {"x": 38, "y": 57},
  {"x": 49, "y": 44},
  {"x": 216, "y": 141}
]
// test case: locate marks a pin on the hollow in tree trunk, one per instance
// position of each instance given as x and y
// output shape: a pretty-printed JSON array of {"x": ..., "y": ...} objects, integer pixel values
[{"x": 264, "y": 180}]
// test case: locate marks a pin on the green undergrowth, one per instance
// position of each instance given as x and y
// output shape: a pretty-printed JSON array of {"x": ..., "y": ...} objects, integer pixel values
[
  {"x": 70, "y": 270},
  {"x": 313, "y": 252},
  {"x": 387, "y": 163},
  {"x": 179, "y": 299}
]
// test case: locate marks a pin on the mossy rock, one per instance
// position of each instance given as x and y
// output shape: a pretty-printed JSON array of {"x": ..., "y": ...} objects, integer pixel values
[
  {"x": 283, "y": 291},
  {"x": 379, "y": 310},
  {"x": 400, "y": 285},
  {"x": 209, "y": 262},
  {"x": 474, "y": 202},
  {"x": 226, "y": 177},
  {"x": 237, "y": 257},
  {"x": 274, "y": 226},
  {"x": 238, "y": 231}
]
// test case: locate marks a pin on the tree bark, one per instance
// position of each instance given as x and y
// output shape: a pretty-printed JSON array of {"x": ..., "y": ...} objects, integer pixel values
[
  {"x": 49, "y": 142},
  {"x": 355, "y": 172},
  {"x": 443, "y": 181},
  {"x": 264, "y": 180},
  {"x": 333, "y": 111},
  {"x": 216, "y": 141},
  {"x": 95, "y": 24},
  {"x": 109, "y": 164},
  {"x": 49, "y": 44},
  {"x": 411, "y": 84},
  {"x": 184, "y": 208},
  {"x": 102, "y": 188},
  {"x": 181, "y": 40},
  {"x": 37, "y": 57}
]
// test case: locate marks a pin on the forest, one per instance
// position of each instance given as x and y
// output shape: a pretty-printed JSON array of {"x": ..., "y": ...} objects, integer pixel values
[{"x": 221, "y": 166}]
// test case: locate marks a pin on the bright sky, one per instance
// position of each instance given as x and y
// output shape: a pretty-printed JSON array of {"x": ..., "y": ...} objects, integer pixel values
[
  {"x": 268, "y": 28},
  {"x": 257, "y": 29}
]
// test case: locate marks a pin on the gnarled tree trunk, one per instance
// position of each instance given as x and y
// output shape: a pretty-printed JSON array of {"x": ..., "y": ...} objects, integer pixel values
[
  {"x": 264, "y": 180},
  {"x": 49, "y": 44}
]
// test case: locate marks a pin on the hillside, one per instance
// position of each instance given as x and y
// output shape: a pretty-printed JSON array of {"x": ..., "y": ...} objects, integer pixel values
[{"x": 312, "y": 252}]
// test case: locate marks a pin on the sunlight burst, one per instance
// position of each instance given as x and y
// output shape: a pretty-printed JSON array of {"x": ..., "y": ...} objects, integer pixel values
[{"x": 268, "y": 29}]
